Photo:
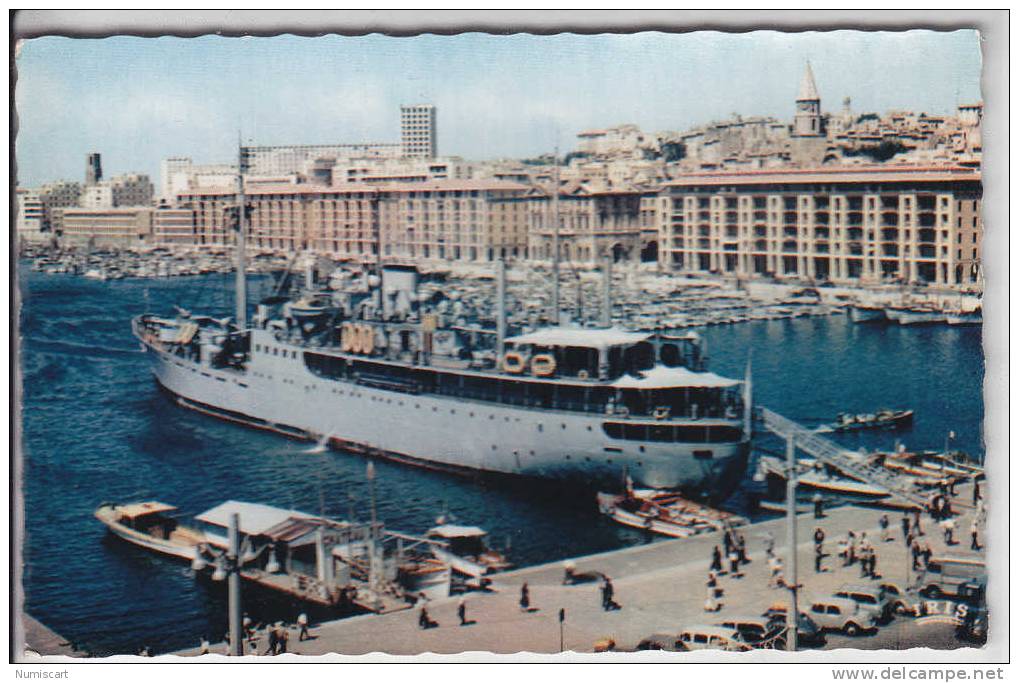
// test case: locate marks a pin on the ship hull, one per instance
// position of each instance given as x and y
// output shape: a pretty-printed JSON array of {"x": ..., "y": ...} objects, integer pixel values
[{"x": 441, "y": 432}]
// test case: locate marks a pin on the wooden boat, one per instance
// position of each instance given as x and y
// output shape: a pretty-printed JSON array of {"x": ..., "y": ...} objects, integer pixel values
[
  {"x": 824, "y": 480},
  {"x": 465, "y": 549},
  {"x": 147, "y": 525},
  {"x": 882, "y": 419},
  {"x": 867, "y": 314},
  {"x": 930, "y": 464},
  {"x": 960, "y": 317},
  {"x": 665, "y": 512}
]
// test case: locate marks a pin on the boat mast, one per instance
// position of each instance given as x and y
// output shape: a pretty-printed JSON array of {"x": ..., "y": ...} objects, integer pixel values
[
  {"x": 242, "y": 220},
  {"x": 555, "y": 239},
  {"x": 500, "y": 311},
  {"x": 606, "y": 294}
]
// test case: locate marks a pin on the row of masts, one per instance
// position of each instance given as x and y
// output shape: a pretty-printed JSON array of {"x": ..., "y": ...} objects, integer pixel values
[{"x": 241, "y": 297}]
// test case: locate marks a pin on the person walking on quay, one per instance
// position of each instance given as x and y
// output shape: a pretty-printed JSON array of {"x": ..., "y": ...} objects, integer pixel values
[
  {"x": 716, "y": 560},
  {"x": 974, "y": 530},
  {"x": 775, "y": 565},
  {"x": 818, "y": 506},
  {"x": 819, "y": 559},
  {"x": 273, "y": 640},
  {"x": 949, "y": 528},
  {"x": 461, "y": 610},
  {"x": 769, "y": 544},
  {"x": 525, "y": 598},
  {"x": 905, "y": 528},
  {"x": 608, "y": 592},
  {"x": 886, "y": 535},
  {"x": 850, "y": 548},
  {"x": 976, "y": 492},
  {"x": 917, "y": 529},
  {"x": 302, "y": 621},
  {"x": 818, "y": 536},
  {"x": 734, "y": 569},
  {"x": 741, "y": 543},
  {"x": 917, "y": 554},
  {"x": 727, "y": 541}
]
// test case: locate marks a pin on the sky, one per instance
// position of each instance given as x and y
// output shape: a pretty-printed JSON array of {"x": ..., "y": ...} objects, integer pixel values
[{"x": 140, "y": 100}]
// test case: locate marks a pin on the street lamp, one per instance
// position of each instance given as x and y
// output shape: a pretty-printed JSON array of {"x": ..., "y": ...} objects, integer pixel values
[{"x": 227, "y": 566}]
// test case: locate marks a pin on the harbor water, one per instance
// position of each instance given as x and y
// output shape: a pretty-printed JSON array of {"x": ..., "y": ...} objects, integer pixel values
[{"x": 96, "y": 428}]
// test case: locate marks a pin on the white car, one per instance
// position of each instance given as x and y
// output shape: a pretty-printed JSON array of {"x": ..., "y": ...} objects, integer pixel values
[
  {"x": 711, "y": 638},
  {"x": 841, "y": 614}
]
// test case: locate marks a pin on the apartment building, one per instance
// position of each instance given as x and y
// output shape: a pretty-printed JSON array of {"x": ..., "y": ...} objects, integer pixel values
[
  {"x": 852, "y": 225},
  {"x": 107, "y": 227},
  {"x": 596, "y": 219},
  {"x": 418, "y": 131},
  {"x": 29, "y": 219}
]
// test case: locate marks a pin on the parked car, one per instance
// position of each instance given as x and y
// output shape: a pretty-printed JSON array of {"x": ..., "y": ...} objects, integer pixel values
[
  {"x": 842, "y": 614},
  {"x": 659, "y": 641},
  {"x": 868, "y": 597},
  {"x": 711, "y": 638},
  {"x": 906, "y": 602},
  {"x": 808, "y": 632},
  {"x": 946, "y": 575},
  {"x": 758, "y": 632}
]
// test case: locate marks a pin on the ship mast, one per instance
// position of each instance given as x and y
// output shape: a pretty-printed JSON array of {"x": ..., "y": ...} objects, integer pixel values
[
  {"x": 242, "y": 224},
  {"x": 555, "y": 240}
]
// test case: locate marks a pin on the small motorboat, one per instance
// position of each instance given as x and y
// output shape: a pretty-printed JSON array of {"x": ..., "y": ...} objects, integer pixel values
[
  {"x": 664, "y": 512},
  {"x": 466, "y": 550},
  {"x": 147, "y": 524},
  {"x": 882, "y": 419},
  {"x": 867, "y": 314}
]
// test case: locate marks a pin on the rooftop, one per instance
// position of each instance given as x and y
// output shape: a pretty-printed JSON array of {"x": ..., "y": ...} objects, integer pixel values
[
  {"x": 255, "y": 518},
  {"x": 578, "y": 336}
]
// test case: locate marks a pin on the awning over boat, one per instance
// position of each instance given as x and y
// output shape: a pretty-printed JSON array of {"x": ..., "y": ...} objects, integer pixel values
[
  {"x": 455, "y": 531},
  {"x": 661, "y": 377},
  {"x": 579, "y": 336},
  {"x": 135, "y": 510},
  {"x": 255, "y": 519}
]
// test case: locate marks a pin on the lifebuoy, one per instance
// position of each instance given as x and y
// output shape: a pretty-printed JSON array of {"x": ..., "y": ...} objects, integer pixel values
[
  {"x": 513, "y": 362},
  {"x": 661, "y": 412},
  {"x": 367, "y": 339},
  {"x": 347, "y": 338},
  {"x": 543, "y": 365},
  {"x": 583, "y": 374}
]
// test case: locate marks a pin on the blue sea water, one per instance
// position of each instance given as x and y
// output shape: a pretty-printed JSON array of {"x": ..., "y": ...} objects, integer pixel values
[{"x": 96, "y": 428}]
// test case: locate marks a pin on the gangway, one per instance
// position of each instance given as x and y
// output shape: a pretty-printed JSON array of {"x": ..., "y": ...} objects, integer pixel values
[{"x": 844, "y": 460}]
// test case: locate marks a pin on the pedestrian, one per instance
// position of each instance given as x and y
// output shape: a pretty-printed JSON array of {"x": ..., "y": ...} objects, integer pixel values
[
  {"x": 608, "y": 594},
  {"x": 851, "y": 549},
  {"x": 711, "y": 604},
  {"x": 818, "y": 559},
  {"x": 864, "y": 561},
  {"x": 525, "y": 598},
  {"x": 818, "y": 536},
  {"x": 775, "y": 565},
  {"x": 741, "y": 541},
  {"x": 927, "y": 553},
  {"x": 905, "y": 528},
  {"x": 461, "y": 610},
  {"x": 283, "y": 638},
  {"x": 727, "y": 541},
  {"x": 302, "y": 621},
  {"x": 976, "y": 492},
  {"x": 843, "y": 550},
  {"x": 883, "y": 523},
  {"x": 917, "y": 529},
  {"x": 769, "y": 543},
  {"x": 424, "y": 621},
  {"x": 273, "y": 640},
  {"x": 734, "y": 564},
  {"x": 873, "y": 564},
  {"x": 716, "y": 560},
  {"x": 818, "y": 506},
  {"x": 203, "y": 646},
  {"x": 949, "y": 528},
  {"x": 974, "y": 530},
  {"x": 917, "y": 554}
]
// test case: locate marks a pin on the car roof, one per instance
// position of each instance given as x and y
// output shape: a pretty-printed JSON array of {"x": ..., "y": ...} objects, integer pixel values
[
  {"x": 849, "y": 588},
  {"x": 712, "y": 631},
  {"x": 832, "y": 600},
  {"x": 745, "y": 619}
]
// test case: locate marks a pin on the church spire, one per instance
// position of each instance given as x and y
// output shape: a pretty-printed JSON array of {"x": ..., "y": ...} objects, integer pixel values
[{"x": 808, "y": 89}]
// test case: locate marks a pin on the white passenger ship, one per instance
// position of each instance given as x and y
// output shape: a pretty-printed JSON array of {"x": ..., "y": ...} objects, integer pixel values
[{"x": 372, "y": 368}]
